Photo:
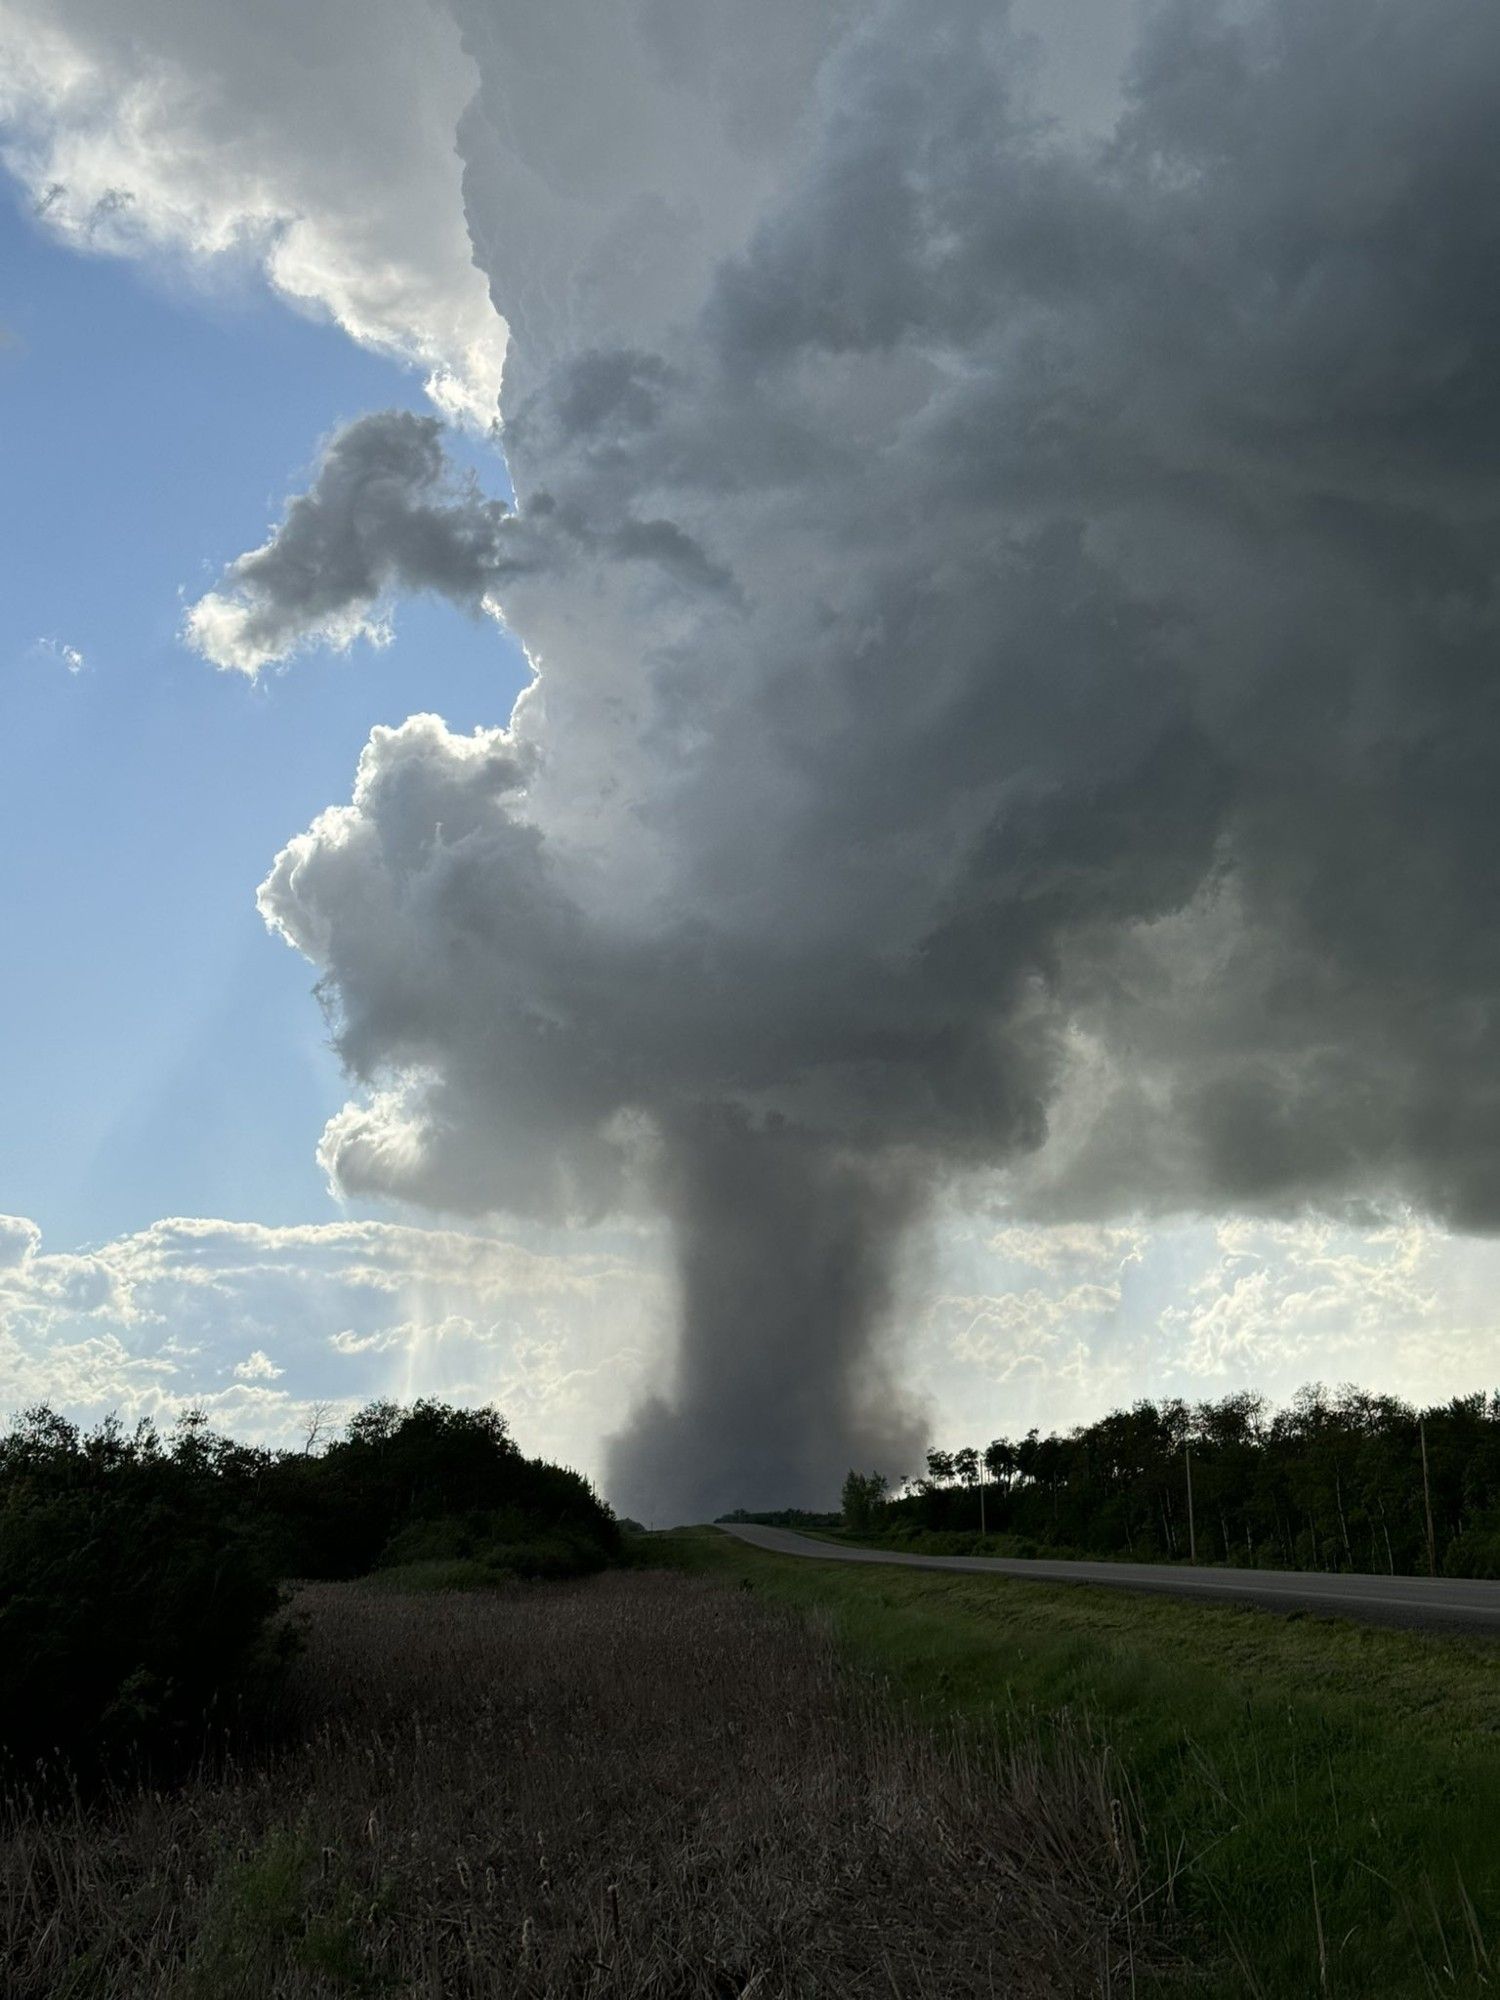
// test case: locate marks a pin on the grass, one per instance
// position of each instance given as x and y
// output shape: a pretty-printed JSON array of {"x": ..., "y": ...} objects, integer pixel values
[
  {"x": 952, "y": 1542},
  {"x": 638, "y": 1787},
  {"x": 435, "y": 1573},
  {"x": 1323, "y": 1798}
]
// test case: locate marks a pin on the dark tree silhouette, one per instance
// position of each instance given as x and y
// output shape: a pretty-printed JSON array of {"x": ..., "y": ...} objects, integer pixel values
[{"x": 1334, "y": 1481}]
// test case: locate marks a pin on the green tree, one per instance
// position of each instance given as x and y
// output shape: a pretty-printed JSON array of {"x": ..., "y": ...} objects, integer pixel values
[{"x": 864, "y": 1499}]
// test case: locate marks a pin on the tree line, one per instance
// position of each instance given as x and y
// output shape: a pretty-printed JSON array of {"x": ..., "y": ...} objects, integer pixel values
[
  {"x": 139, "y": 1571},
  {"x": 1341, "y": 1480}
]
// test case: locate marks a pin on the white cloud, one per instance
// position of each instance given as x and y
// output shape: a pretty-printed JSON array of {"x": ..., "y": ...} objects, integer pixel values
[
  {"x": 315, "y": 143},
  {"x": 258, "y": 1325},
  {"x": 257, "y": 1366},
  {"x": 1069, "y": 1248},
  {"x": 1198, "y": 1309},
  {"x": 1311, "y": 1296},
  {"x": 69, "y": 658},
  {"x": 1015, "y": 1330},
  {"x": 20, "y": 1239},
  {"x": 347, "y": 1341}
]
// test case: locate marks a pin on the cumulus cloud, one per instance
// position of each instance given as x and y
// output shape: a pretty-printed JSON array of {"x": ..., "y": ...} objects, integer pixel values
[
  {"x": 1198, "y": 1309},
  {"x": 1306, "y": 1294},
  {"x": 314, "y": 143},
  {"x": 20, "y": 1240},
  {"x": 1016, "y": 1330},
  {"x": 385, "y": 512},
  {"x": 264, "y": 1327},
  {"x": 1013, "y": 603},
  {"x": 388, "y": 512},
  {"x": 257, "y": 1366},
  {"x": 82, "y": 1284},
  {"x": 1076, "y": 1250}
]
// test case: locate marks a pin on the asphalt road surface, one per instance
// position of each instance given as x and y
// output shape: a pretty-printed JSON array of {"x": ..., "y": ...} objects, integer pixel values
[{"x": 1440, "y": 1604}]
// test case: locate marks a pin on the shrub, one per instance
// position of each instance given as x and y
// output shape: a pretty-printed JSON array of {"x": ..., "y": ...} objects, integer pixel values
[
  {"x": 137, "y": 1577},
  {"x": 507, "y": 1543},
  {"x": 428, "y": 1471},
  {"x": 130, "y": 1599},
  {"x": 1476, "y": 1552}
]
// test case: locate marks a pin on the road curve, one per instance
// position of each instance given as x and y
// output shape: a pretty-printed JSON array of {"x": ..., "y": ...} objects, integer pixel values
[{"x": 1439, "y": 1604}]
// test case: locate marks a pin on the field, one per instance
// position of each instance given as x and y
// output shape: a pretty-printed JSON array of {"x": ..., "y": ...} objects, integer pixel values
[
  {"x": 1322, "y": 1799},
  {"x": 750, "y": 1775},
  {"x": 643, "y": 1784}
]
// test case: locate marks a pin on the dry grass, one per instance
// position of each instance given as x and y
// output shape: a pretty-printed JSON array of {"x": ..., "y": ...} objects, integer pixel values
[{"x": 645, "y": 1785}]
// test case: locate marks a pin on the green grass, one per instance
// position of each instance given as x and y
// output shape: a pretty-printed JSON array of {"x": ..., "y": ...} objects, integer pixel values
[
  {"x": 263, "y": 1915},
  {"x": 1324, "y": 1797},
  {"x": 956, "y": 1542}
]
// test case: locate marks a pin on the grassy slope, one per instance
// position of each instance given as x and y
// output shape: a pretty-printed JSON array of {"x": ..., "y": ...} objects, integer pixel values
[{"x": 1303, "y": 1776}]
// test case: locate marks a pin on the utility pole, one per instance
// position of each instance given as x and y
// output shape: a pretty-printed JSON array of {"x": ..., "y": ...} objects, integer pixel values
[
  {"x": 982, "y": 1529},
  {"x": 1187, "y": 1459},
  {"x": 1427, "y": 1500}
]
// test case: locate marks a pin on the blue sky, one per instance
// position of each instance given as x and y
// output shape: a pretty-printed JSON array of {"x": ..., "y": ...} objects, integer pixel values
[{"x": 159, "y": 1051}]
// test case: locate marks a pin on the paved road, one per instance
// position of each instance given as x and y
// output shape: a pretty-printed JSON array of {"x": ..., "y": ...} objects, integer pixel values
[{"x": 1436, "y": 1604}]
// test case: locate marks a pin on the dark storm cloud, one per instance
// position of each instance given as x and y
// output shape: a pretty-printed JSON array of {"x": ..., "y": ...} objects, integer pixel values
[
  {"x": 1056, "y": 726},
  {"x": 387, "y": 512}
]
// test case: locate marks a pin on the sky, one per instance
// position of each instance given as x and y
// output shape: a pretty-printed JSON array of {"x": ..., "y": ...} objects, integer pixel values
[
  {"x": 152, "y": 428},
  {"x": 899, "y": 855}
]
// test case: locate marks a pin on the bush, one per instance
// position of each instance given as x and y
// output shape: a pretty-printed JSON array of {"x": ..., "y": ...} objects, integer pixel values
[
  {"x": 940, "y": 1542},
  {"x": 130, "y": 1601},
  {"x": 506, "y": 1543},
  {"x": 1476, "y": 1552},
  {"x": 137, "y": 1578},
  {"x": 427, "y": 1472}
]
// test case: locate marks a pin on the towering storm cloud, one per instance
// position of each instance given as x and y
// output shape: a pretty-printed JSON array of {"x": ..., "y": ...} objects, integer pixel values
[{"x": 1014, "y": 618}]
